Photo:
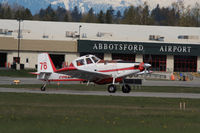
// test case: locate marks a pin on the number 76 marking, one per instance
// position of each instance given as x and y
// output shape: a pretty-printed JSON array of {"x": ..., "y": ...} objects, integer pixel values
[{"x": 43, "y": 65}]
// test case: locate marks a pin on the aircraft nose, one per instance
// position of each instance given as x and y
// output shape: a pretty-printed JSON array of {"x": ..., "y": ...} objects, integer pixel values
[{"x": 147, "y": 65}]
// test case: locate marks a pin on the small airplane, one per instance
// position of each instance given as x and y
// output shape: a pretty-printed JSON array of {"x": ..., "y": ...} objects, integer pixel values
[{"x": 90, "y": 68}]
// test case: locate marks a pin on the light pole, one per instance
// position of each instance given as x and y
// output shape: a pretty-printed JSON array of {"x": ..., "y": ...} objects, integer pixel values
[
  {"x": 19, "y": 36},
  {"x": 80, "y": 31}
]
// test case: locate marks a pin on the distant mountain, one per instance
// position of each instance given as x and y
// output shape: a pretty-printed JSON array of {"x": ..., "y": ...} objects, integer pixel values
[{"x": 97, "y": 5}]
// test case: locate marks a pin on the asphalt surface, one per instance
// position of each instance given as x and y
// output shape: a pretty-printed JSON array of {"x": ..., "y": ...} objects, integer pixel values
[
  {"x": 194, "y": 83},
  {"x": 105, "y": 93}
]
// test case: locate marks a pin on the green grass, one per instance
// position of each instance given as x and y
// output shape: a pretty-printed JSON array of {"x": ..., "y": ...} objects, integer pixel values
[
  {"x": 17, "y": 73},
  {"x": 42, "y": 113},
  {"x": 83, "y": 87}
]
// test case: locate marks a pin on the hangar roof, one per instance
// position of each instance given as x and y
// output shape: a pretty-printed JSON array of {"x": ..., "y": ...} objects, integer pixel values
[{"x": 69, "y": 31}]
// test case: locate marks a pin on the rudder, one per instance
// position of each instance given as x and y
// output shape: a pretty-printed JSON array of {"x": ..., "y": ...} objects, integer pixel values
[{"x": 45, "y": 64}]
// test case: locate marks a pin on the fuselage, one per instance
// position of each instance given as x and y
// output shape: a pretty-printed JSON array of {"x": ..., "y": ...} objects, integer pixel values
[{"x": 116, "y": 68}]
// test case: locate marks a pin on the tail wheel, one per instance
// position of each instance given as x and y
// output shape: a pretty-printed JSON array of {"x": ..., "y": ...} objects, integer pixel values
[
  {"x": 43, "y": 88},
  {"x": 112, "y": 88},
  {"x": 126, "y": 88}
]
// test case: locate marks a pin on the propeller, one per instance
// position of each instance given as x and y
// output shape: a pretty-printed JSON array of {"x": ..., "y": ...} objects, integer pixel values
[{"x": 143, "y": 67}]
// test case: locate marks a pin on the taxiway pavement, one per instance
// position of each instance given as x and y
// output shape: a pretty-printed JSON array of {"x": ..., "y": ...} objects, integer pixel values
[
  {"x": 193, "y": 83},
  {"x": 104, "y": 93}
]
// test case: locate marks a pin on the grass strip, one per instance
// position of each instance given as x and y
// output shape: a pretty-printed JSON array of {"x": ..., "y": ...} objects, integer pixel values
[{"x": 96, "y": 114}]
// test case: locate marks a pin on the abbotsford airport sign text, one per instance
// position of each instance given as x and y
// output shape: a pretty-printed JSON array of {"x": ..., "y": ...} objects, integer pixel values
[
  {"x": 117, "y": 47},
  {"x": 91, "y": 46}
]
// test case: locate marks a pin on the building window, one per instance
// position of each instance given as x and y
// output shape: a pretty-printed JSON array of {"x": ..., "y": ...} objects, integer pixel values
[
  {"x": 156, "y": 37},
  {"x": 125, "y": 57},
  {"x": 27, "y": 60},
  {"x": 193, "y": 37},
  {"x": 185, "y": 63},
  {"x": 158, "y": 62}
]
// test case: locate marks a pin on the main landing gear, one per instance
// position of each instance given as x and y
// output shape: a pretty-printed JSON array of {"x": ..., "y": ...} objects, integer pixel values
[
  {"x": 112, "y": 88},
  {"x": 43, "y": 87},
  {"x": 125, "y": 88}
]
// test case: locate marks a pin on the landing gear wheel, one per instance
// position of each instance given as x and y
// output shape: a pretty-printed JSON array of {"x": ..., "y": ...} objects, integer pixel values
[
  {"x": 126, "y": 88},
  {"x": 112, "y": 88},
  {"x": 43, "y": 88}
]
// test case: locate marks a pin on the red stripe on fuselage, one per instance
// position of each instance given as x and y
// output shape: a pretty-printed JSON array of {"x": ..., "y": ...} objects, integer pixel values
[
  {"x": 120, "y": 69},
  {"x": 55, "y": 80},
  {"x": 66, "y": 69}
]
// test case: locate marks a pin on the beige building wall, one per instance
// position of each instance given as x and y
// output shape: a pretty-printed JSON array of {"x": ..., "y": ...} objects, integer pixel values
[
  {"x": 9, "y": 43},
  {"x": 170, "y": 63},
  {"x": 107, "y": 56},
  {"x": 198, "y": 63},
  {"x": 69, "y": 57},
  {"x": 29, "y": 59},
  {"x": 138, "y": 58}
]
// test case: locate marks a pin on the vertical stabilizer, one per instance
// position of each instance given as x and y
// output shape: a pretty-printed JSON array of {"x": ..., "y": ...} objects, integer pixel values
[{"x": 45, "y": 64}]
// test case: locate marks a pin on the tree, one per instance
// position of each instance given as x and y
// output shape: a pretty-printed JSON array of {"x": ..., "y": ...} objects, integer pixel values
[
  {"x": 76, "y": 15},
  {"x": 60, "y": 13},
  {"x": 155, "y": 14},
  {"x": 145, "y": 15},
  {"x": 47, "y": 14},
  {"x": 89, "y": 17},
  {"x": 118, "y": 17},
  {"x": 50, "y": 14},
  {"x": 27, "y": 14},
  {"x": 129, "y": 16},
  {"x": 67, "y": 17},
  {"x": 100, "y": 17},
  {"x": 196, "y": 14},
  {"x": 109, "y": 15}
]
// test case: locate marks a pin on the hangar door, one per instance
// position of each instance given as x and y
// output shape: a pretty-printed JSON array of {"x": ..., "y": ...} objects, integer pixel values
[
  {"x": 185, "y": 63},
  {"x": 3, "y": 59},
  {"x": 158, "y": 62},
  {"x": 58, "y": 60}
]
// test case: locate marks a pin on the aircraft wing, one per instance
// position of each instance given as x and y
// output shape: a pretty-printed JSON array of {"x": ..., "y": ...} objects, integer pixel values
[{"x": 83, "y": 74}]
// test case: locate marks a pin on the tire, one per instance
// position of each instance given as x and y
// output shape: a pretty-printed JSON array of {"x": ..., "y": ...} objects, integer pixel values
[
  {"x": 43, "y": 88},
  {"x": 112, "y": 88},
  {"x": 126, "y": 88}
]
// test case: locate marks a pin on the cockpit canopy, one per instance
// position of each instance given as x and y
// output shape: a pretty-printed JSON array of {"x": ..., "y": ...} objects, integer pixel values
[{"x": 86, "y": 60}]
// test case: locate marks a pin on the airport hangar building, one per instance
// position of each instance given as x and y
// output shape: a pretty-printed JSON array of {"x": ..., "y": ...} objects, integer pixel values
[{"x": 166, "y": 48}]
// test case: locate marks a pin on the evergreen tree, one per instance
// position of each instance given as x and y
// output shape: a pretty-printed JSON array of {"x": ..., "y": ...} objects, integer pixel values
[
  {"x": 67, "y": 17},
  {"x": 18, "y": 14},
  {"x": 145, "y": 15},
  {"x": 50, "y": 14},
  {"x": 196, "y": 14},
  {"x": 155, "y": 14},
  {"x": 89, "y": 17},
  {"x": 100, "y": 17},
  {"x": 60, "y": 14},
  {"x": 76, "y": 15},
  {"x": 129, "y": 16},
  {"x": 8, "y": 13},
  {"x": 27, "y": 14},
  {"x": 118, "y": 17},
  {"x": 109, "y": 15},
  {"x": 47, "y": 14}
]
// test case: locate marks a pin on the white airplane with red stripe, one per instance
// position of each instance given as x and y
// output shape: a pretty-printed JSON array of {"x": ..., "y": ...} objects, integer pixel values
[{"x": 91, "y": 69}]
